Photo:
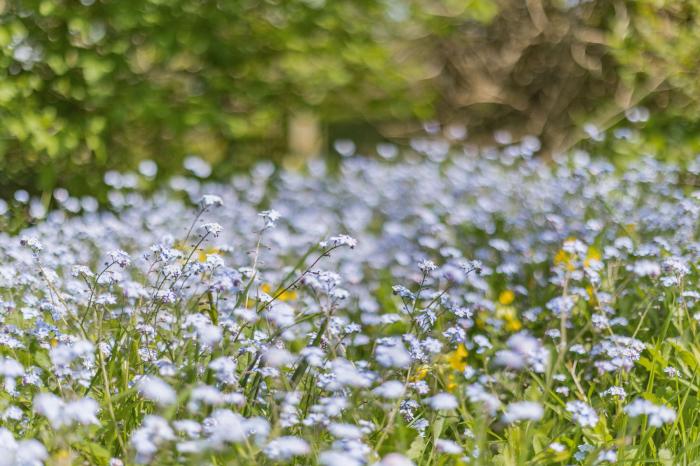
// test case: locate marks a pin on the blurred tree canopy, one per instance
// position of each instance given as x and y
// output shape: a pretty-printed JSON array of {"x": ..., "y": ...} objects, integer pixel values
[
  {"x": 92, "y": 85},
  {"x": 550, "y": 68},
  {"x": 101, "y": 83}
]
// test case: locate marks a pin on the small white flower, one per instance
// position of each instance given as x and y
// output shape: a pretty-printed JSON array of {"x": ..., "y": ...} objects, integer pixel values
[
  {"x": 284, "y": 448},
  {"x": 198, "y": 166},
  {"x": 32, "y": 243},
  {"x": 646, "y": 268},
  {"x": 583, "y": 414},
  {"x": 395, "y": 459},
  {"x": 582, "y": 451},
  {"x": 523, "y": 411},
  {"x": 393, "y": 355},
  {"x": 211, "y": 200},
  {"x": 344, "y": 431},
  {"x": 524, "y": 350},
  {"x": 82, "y": 270},
  {"x": 10, "y": 370},
  {"x": 658, "y": 414},
  {"x": 340, "y": 240},
  {"x": 278, "y": 357},
  {"x": 477, "y": 394},
  {"x": 390, "y": 390},
  {"x": 448, "y": 446},
  {"x": 148, "y": 438},
  {"x": 20, "y": 453},
  {"x": 121, "y": 258},
  {"x": 427, "y": 266},
  {"x": 442, "y": 401},
  {"x": 270, "y": 217},
  {"x": 155, "y": 389},
  {"x": 212, "y": 228},
  {"x": 557, "y": 447},
  {"x": 209, "y": 335},
  {"x": 615, "y": 391},
  {"x": 61, "y": 413},
  {"x": 607, "y": 455}
]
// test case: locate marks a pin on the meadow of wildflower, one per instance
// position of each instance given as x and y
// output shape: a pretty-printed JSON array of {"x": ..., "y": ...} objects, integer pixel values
[{"x": 449, "y": 306}]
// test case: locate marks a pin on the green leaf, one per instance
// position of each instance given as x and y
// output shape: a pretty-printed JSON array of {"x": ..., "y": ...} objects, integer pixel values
[
  {"x": 416, "y": 449},
  {"x": 95, "y": 452},
  {"x": 666, "y": 457}
]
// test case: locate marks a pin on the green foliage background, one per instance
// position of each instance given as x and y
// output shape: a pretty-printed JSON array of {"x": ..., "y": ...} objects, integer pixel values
[{"x": 100, "y": 84}]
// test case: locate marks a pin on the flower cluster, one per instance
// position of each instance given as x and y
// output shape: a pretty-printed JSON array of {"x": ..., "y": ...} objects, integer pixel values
[{"x": 357, "y": 317}]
